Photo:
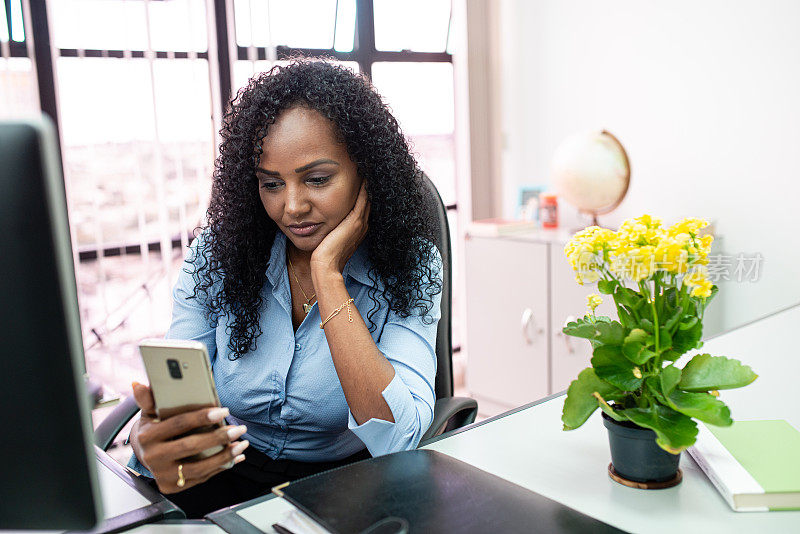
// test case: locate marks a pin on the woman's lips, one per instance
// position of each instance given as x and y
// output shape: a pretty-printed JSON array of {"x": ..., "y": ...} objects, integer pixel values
[{"x": 304, "y": 230}]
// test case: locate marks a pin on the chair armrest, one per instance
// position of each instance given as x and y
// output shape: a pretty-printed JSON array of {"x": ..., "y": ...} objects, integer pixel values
[
  {"x": 106, "y": 431},
  {"x": 450, "y": 413}
]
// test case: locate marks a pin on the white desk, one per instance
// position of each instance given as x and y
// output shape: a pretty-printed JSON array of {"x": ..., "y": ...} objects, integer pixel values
[{"x": 529, "y": 448}]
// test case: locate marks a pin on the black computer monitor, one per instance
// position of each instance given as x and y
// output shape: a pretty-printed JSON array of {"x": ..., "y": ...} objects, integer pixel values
[{"x": 48, "y": 476}]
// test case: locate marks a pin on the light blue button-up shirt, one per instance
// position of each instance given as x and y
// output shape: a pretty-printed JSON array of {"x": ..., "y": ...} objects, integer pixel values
[{"x": 287, "y": 392}]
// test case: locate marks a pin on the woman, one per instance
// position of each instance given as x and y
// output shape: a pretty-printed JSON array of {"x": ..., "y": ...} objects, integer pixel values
[{"x": 314, "y": 286}]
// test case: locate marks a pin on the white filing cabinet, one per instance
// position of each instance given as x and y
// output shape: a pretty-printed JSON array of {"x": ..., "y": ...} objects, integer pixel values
[{"x": 520, "y": 290}]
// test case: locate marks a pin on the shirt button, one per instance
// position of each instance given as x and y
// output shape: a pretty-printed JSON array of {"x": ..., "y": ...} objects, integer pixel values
[{"x": 297, "y": 347}]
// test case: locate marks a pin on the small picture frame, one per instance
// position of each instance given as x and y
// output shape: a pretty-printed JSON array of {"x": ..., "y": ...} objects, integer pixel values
[{"x": 528, "y": 202}]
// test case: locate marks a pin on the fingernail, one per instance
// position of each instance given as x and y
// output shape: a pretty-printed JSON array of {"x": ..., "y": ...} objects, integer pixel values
[
  {"x": 239, "y": 447},
  {"x": 238, "y": 459},
  {"x": 236, "y": 432},
  {"x": 134, "y": 384},
  {"x": 218, "y": 414}
]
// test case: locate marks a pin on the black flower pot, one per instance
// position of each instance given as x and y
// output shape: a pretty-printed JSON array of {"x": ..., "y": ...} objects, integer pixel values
[{"x": 635, "y": 455}]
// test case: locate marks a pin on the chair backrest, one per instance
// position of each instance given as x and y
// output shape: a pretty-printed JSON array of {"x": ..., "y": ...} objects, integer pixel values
[{"x": 444, "y": 347}]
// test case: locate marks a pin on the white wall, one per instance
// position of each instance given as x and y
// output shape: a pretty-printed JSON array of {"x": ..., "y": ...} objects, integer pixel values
[{"x": 704, "y": 95}]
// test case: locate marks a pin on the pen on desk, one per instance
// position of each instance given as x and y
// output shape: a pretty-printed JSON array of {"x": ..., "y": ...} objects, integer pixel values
[{"x": 281, "y": 530}]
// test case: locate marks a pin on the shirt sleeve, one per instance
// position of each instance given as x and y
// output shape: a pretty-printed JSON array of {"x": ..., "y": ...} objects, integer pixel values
[
  {"x": 409, "y": 345},
  {"x": 135, "y": 465},
  {"x": 189, "y": 319}
]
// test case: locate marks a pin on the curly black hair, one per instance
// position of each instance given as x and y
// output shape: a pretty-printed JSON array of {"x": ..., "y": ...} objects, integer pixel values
[{"x": 238, "y": 235}]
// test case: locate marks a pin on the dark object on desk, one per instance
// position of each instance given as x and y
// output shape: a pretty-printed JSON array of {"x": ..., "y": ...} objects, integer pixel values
[
  {"x": 49, "y": 476},
  {"x": 449, "y": 412},
  {"x": 435, "y": 494},
  {"x": 159, "y": 509}
]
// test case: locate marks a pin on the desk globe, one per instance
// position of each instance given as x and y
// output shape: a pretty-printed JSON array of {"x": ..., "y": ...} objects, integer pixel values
[{"x": 591, "y": 171}]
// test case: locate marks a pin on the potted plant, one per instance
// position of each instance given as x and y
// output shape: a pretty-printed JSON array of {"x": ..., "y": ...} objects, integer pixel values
[{"x": 658, "y": 280}]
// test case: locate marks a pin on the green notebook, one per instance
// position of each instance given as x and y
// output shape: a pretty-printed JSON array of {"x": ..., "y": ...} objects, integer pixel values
[{"x": 755, "y": 465}]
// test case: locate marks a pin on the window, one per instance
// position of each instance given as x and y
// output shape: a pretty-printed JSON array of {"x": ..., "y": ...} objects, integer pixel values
[
  {"x": 134, "y": 91},
  {"x": 18, "y": 94},
  {"x": 429, "y": 19},
  {"x": 138, "y": 83}
]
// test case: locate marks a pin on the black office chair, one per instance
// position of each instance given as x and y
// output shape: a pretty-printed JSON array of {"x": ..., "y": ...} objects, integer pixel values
[{"x": 449, "y": 412}]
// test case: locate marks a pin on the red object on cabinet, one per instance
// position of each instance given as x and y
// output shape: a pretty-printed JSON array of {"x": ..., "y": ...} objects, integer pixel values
[{"x": 548, "y": 210}]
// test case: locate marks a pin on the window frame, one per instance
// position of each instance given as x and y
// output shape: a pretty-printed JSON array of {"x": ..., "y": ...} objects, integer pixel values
[{"x": 220, "y": 54}]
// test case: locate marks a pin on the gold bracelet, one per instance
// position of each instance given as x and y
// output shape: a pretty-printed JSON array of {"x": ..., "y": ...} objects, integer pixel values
[{"x": 335, "y": 312}]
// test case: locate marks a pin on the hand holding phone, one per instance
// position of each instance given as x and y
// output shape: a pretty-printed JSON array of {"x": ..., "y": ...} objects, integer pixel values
[{"x": 182, "y": 436}]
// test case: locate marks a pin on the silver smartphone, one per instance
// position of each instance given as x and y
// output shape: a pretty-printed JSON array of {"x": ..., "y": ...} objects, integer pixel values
[{"x": 180, "y": 379}]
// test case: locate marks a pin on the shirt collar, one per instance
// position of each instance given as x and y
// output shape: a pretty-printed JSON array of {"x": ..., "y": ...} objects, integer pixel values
[
  {"x": 277, "y": 259},
  {"x": 356, "y": 268}
]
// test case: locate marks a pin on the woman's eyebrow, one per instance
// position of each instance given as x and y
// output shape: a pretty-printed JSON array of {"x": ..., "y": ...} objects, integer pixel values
[
  {"x": 298, "y": 170},
  {"x": 268, "y": 173},
  {"x": 314, "y": 163}
]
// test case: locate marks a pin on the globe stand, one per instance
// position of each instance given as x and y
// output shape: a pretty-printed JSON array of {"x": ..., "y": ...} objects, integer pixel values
[
  {"x": 586, "y": 219},
  {"x": 593, "y": 216}
]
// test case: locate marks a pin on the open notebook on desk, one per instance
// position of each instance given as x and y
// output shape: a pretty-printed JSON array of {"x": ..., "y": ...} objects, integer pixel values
[
  {"x": 428, "y": 491},
  {"x": 127, "y": 500}
]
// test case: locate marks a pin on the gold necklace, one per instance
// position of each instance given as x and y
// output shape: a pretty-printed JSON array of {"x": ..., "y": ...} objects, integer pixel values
[{"x": 307, "y": 305}]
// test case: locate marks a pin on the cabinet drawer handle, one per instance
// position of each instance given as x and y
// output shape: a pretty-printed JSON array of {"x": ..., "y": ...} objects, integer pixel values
[
  {"x": 527, "y": 319},
  {"x": 568, "y": 339}
]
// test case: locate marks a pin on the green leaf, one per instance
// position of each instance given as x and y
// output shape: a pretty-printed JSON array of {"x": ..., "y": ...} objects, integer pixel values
[
  {"x": 664, "y": 339},
  {"x": 612, "y": 333},
  {"x": 705, "y": 372},
  {"x": 688, "y": 323},
  {"x": 670, "y": 376},
  {"x": 628, "y": 297},
  {"x": 626, "y": 318},
  {"x": 612, "y": 366},
  {"x": 702, "y": 406},
  {"x": 672, "y": 321},
  {"x": 608, "y": 410},
  {"x": 670, "y": 355},
  {"x": 607, "y": 331},
  {"x": 653, "y": 387},
  {"x": 674, "y": 431},
  {"x": 580, "y": 402},
  {"x": 637, "y": 334},
  {"x": 606, "y": 287},
  {"x": 581, "y": 328},
  {"x": 685, "y": 340},
  {"x": 671, "y": 298},
  {"x": 637, "y": 353},
  {"x": 714, "y": 291},
  {"x": 647, "y": 325}
]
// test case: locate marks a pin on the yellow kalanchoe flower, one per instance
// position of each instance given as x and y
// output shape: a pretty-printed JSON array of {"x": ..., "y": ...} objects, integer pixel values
[
  {"x": 672, "y": 256},
  {"x": 634, "y": 264},
  {"x": 702, "y": 290},
  {"x": 640, "y": 248},
  {"x": 701, "y": 286},
  {"x": 593, "y": 301},
  {"x": 689, "y": 225},
  {"x": 641, "y": 231},
  {"x": 586, "y": 252}
]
